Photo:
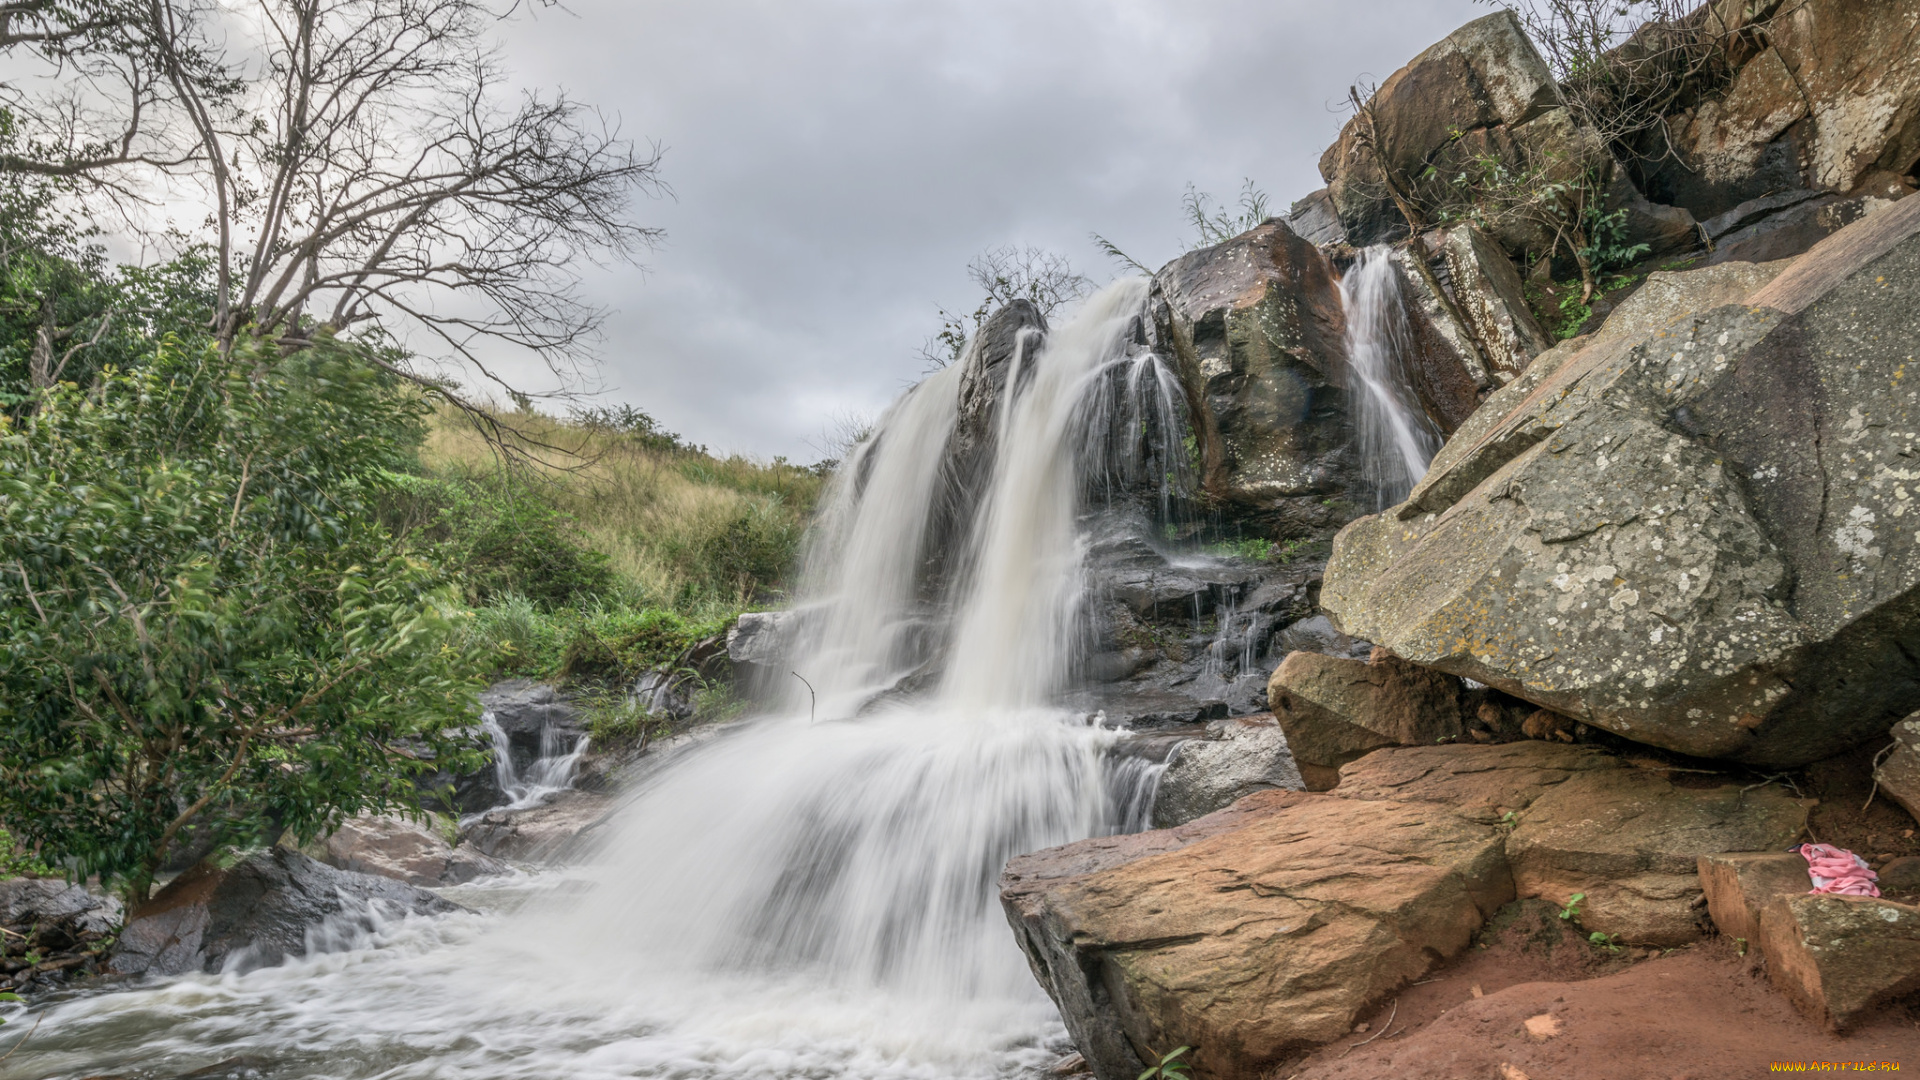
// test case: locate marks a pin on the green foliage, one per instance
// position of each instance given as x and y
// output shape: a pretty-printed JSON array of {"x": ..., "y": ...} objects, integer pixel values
[
  {"x": 612, "y": 642},
  {"x": 1608, "y": 942},
  {"x": 1169, "y": 1067},
  {"x": 635, "y": 425},
  {"x": 201, "y": 620},
  {"x": 1217, "y": 226},
  {"x": 1606, "y": 247},
  {"x": 504, "y": 539},
  {"x": 1570, "y": 912},
  {"x": 1252, "y": 548}
]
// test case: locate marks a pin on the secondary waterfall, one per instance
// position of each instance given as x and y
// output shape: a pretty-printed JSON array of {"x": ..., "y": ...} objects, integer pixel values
[
  {"x": 1394, "y": 439},
  {"x": 811, "y": 893}
]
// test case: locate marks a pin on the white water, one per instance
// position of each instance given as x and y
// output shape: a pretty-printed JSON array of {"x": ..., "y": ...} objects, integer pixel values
[
  {"x": 1393, "y": 437},
  {"x": 547, "y": 775},
  {"x": 800, "y": 897}
]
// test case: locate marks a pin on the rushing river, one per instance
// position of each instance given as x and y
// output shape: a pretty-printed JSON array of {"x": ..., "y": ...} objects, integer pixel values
[{"x": 807, "y": 895}]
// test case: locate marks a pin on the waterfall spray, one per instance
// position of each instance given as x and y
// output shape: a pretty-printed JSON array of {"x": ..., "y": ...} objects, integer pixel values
[{"x": 1393, "y": 436}]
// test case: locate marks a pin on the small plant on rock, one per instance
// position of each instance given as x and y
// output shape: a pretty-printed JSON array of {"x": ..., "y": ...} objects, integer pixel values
[
  {"x": 1570, "y": 912},
  {"x": 1169, "y": 1067},
  {"x": 1608, "y": 942}
]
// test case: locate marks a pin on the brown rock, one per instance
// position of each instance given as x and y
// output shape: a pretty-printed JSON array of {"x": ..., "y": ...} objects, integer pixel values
[
  {"x": 1444, "y": 365},
  {"x": 1740, "y": 885},
  {"x": 1481, "y": 783},
  {"x": 1839, "y": 956},
  {"x": 1545, "y": 724},
  {"x": 1334, "y": 710},
  {"x": 1631, "y": 841},
  {"x": 1271, "y": 925},
  {"x": 1489, "y": 294},
  {"x": 1900, "y": 876},
  {"x": 404, "y": 851}
]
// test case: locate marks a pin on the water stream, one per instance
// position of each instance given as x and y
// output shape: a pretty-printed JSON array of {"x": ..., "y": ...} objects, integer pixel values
[
  {"x": 809, "y": 894},
  {"x": 1394, "y": 438}
]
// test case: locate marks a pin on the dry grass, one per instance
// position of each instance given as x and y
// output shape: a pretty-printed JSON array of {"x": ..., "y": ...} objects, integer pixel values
[{"x": 685, "y": 531}]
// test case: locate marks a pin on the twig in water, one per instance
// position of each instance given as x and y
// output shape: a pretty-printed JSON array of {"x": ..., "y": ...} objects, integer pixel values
[
  {"x": 1384, "y": 1028},
  {"x": 24, "y": 1038},
  {"x": 812, "y": 699}
]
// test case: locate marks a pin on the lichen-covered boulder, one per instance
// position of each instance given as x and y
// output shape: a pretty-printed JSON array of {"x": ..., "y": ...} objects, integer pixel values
[{"x": 1696, "y": 537}]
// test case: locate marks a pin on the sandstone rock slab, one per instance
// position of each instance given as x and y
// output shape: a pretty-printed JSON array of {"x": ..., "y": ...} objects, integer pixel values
[
  {"x": 1264, "y": 927},
  {"x": 1740, "y": 885},
  {"x": 1839, "y": 956},
  {"x": 1631, "y": 841},
  {"x": 1335, "y": 709},
  {"x": 257, "y": 914},
  {"x": 1238, "y": 757},
  {"x": 1693, "y": 538},
  {"x": 1484, "y": 784}
]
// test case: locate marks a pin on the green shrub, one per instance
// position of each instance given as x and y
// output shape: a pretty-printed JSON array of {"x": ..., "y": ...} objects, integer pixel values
[
  {"x": 502, "y": 537},
  {"x": 202, "y": 624}
]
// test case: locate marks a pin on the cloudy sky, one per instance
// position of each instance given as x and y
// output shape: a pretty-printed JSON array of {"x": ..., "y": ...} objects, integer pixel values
[{"x": 836, "y": 163}]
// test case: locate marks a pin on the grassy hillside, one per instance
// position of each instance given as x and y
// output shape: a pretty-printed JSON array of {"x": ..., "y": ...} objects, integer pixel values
[{"x": 612, "y": 556}]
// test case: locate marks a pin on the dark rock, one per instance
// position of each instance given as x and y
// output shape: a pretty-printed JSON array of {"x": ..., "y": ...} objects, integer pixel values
[
  {"x": 1901, "y": 876},
  {"x": 1255, "y": 331},
  {"x": 1691, "y": 537},
  {"x": 1898, "y": 774},
  {"x": 1793, "y": 230},
  {"x": 538, "y": 833},
  {"x": 257, "y": 914},
  {"x": 1755, "y": 210},
  {"x": 1014, "y": 330},
  {"x": 1491, "y": 299},
  {"x": 38, "y": 901},
  {"x": 1236, "y": 758},
  {"x": 1318, "y": 635},
  {"x": 1316, "y": 220}
]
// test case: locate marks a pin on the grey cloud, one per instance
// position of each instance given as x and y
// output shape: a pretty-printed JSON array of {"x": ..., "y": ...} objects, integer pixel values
[{"x": 837, "y": 162}]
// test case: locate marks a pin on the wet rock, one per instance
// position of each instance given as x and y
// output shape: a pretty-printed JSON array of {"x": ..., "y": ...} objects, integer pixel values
[
  {"x": 1839, "y": 956},
  {"x": 404, "y": 851},
  {"x": 1491, "y": 298},
  {"x": 1631, "y": 840},
  {"x": 1444, "y": 366},
  {"x": 1692, "y": 537},
  {"x": 257, "y": 914},
  {"x": 1793, "y": 230},
  {"x": 1317, "y": 635},
  {"x": 1316, "y": 219},
  {"x": 1255, "y": 329},
  {"x": 1016, "y": 329},
  {"x": 1740, "y": 885},
  {"x": 1898, "y": 774},
  {"x": 54, "y": 930},
  {"x": 1335, "y": 710},
  {"x": 1268, "y": 926},
  {"x": 539, "y": 833},
  {"x": 1237, "y": 758},
  {"x": 44, "y": 901}
]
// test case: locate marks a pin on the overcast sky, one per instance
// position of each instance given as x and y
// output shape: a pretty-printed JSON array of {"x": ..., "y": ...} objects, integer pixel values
[{"x": 836, "y": 163}]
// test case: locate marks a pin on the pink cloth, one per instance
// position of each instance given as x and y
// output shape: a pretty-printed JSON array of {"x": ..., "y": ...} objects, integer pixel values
[{"x": 1839, "y": 871}]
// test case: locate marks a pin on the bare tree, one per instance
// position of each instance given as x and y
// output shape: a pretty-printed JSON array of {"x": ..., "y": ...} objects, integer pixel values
[
  {"x": 1017, "y": 272},
  {"x": 374, "y": 175}
]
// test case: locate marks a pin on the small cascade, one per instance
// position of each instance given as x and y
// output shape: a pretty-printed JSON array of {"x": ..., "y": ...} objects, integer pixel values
[
  {"x": 546, "y": 775},
  {"x": 1394, "y": 438}
]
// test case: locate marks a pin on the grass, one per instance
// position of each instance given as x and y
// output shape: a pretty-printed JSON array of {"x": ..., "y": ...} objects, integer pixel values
[
  {"x": 687, "y": 541},
  {"x": 683, "y": 531}
]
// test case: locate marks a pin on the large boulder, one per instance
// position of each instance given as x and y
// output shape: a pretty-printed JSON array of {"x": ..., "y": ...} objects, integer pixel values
[
  {"x": 258, "y": 913},
  {"x": 1238, "y": 757},
  {"x": 404, "y": 851},
  {"x": 1898, "y": 773},
  {"x": 1265, "y": 927},
  {"x": 53, "y": 930},
  {"x": 1491, "y": 299},
  {"x": 1483, "y": 91},
  {"x": 1335, "y": 709},
  {"x": 1691, "y": 537},
  {"x": 1256, "y": 332}
]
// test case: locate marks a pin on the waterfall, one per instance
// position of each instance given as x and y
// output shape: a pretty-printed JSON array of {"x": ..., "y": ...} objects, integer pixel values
[
  {"x": 810, "y": 893},
  {"x": 1393, "y": 437}
]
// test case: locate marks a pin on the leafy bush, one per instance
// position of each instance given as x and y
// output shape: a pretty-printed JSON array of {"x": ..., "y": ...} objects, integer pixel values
[
  {"x": 201, "y": 622},
  {"x": 503, "y": 538}
]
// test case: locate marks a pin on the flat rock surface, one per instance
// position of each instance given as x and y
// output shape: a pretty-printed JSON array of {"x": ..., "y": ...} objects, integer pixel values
[
  {"x": 1266, "y": 927},
  {"x": 1838, "y": 957},
  {"x": 1699, "y": 1014},
  {"x": 405, "y": 851}
]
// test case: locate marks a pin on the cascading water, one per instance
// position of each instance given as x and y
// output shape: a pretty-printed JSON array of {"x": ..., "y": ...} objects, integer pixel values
[
  {"x": 809, "y": 894},
  {"x": 1393, "y": 437},
  {"x": 546, "y": 775}
]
